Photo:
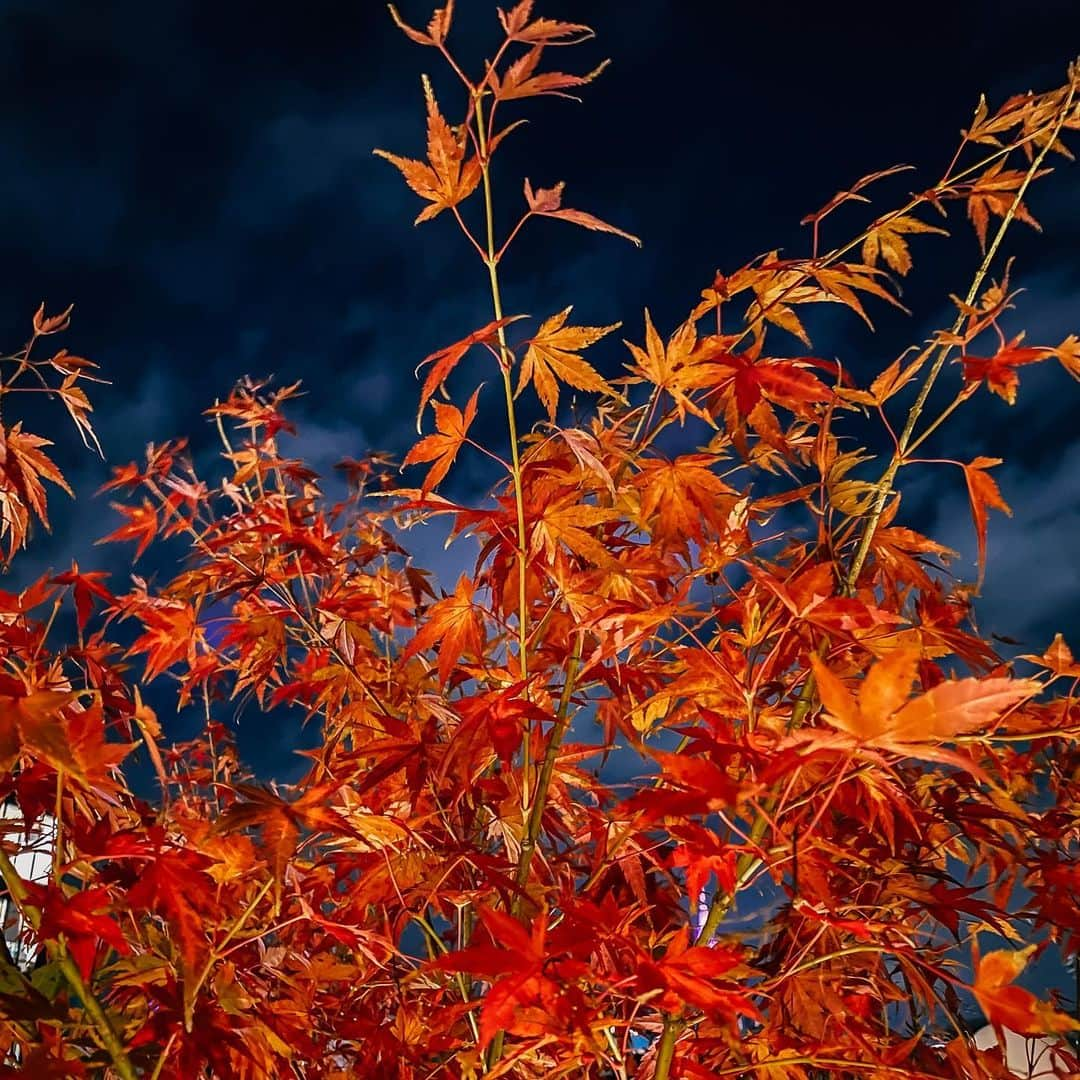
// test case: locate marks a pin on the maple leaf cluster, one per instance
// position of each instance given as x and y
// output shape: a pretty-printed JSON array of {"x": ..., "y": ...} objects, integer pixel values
[{"x": 852, "y": 823}]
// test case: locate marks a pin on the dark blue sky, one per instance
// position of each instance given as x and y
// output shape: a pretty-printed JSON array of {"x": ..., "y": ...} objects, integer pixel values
[{"x": 198, "y": 179}]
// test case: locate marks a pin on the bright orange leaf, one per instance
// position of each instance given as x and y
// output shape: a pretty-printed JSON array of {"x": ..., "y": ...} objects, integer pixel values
[
  {"x": 442, "y": 448},
  {"x": 453, "y": 628},
  {"x": 553, "y": 356},
  {"x": 983, "y": 493},
  {"x": 885, "y": 715},
  {"x": 1012, "y": 1006},
  {"x": 447, "y": 179}
]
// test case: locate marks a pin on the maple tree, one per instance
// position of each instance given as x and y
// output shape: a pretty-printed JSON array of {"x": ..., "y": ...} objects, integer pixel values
[{"x": 700, "y": 581}]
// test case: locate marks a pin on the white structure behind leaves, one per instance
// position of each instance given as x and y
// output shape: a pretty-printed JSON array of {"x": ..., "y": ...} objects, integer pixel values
[
  {"x": 32, "y": 860},
  {"x": 1033, "y": 1058}
]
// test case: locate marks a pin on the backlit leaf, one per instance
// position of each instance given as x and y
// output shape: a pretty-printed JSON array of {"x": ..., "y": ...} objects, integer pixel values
[
  {"x": 886, "y": 241},
  {"x": 1011, "y": 1006},
  {"x": 453, "y": 628},
  {"x": 447, "y": 179},
  {"x": 547, "y": 202},
  {"x": 553, "y": 356},
  {"x": 983, "y": 494},
  {"x": 442, "y": 448}
]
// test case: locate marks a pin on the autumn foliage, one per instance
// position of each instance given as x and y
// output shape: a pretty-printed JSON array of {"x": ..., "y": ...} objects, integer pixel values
[{"x": 848, "y": 818}]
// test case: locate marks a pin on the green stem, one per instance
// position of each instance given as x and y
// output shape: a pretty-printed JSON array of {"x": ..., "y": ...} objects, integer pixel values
[
  {"x": 436, "y": 943},
  {"x": 543, "y": 783},
  {"x": 506, "y": 361},
  {"x": 532, "y": 808},
  {"x": 217, "y": 952},
  {"x": 665, "y": 1051}
]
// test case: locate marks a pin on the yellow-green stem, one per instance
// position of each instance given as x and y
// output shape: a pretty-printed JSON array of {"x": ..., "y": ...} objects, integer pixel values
[
  {"x": 746, "y": 866},
  {"x": 434, "y": 945},
  {"x": 505, "y": 363},
  {"x": 530, "y": 806},
  {"x": 543, "y": 782},
  {"x": 665, "y": 1051}
]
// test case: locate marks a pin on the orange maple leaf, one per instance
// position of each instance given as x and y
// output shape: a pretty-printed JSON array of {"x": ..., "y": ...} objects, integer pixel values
[
  {"x": 174, "y": 883},
  {"x": 547, "y": 202},
  {"x": 84, "y": 587},
  {"x": 788, "y": 383},
  {"x": 1068, "y": 353},
  {"x": 442, "y": 448},
  {"x": 141, "y": 525},
  {"x": 679, "y": 498},
  {"x": 82, "y": 918},
  {"x": 894, "y": 378},
  {"x": 885, "y": 240},
  {"x": 690, "y": 973},
  {"x": 51, "y": 324},
  {"x": 31, "y": 722},
  {"x": 280, "y": 822},
  {"x": 74, "y": 397},
  {"x": 447, "y": 179},
  {"x": 983, "y": 492},
  {"x": 453, "y": 627},
  {"x": 999, "y": 370},
  {"x": 996, "y": 192},
  {"x": 574, "y": 525},
  {"x": 23, "y": 465},
  {"x": 438, "y": 27},
  {"x": 505, "y": 715},
  {"x": 886, "y": 716},
  {"x": 1010, "y": 1006},
  {"x": 670, "y": 368},
  {"x": 553, "y": 351},
  {"x": 517, "y": 27},
  {"x": 1058, "y": 658},
  {"x": 520, "y": 81},
  {"x": 443, "y": 361},
  {"x": 843, "y": 282}
]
